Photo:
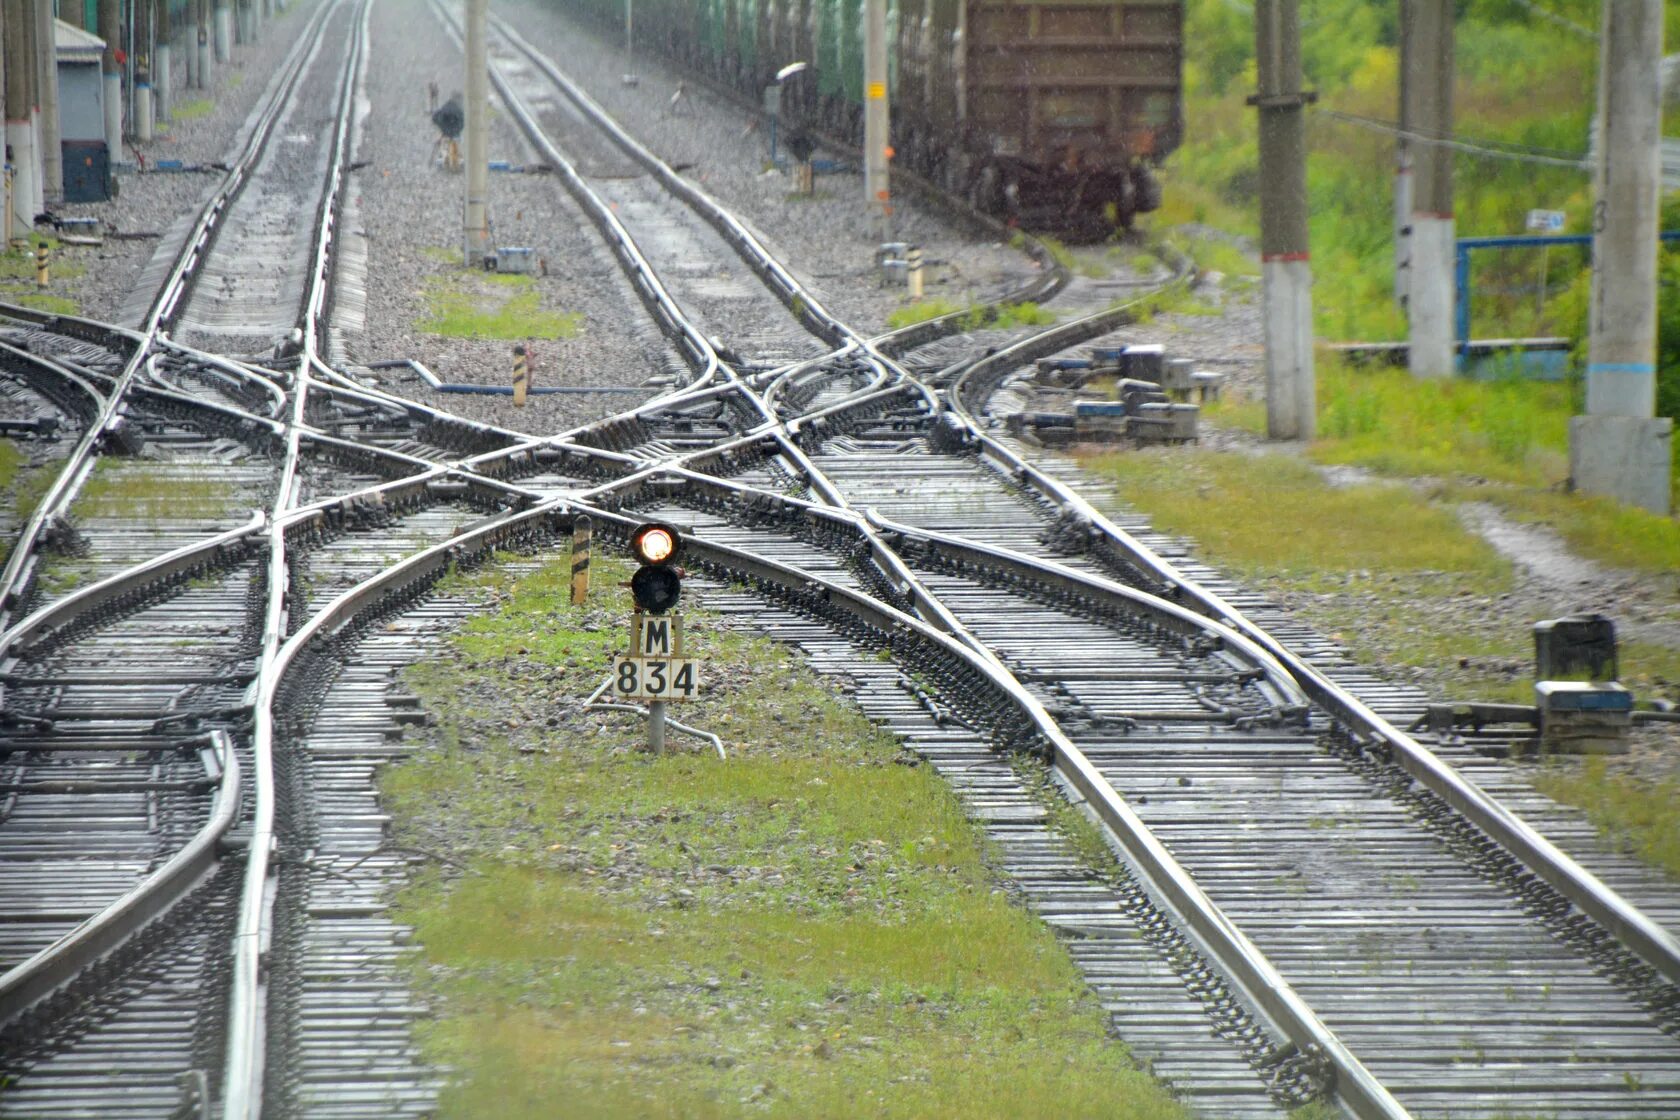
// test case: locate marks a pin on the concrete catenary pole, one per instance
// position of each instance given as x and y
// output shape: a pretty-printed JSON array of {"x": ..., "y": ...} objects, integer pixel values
[
  {"x": 476, "y": 223},
  {"x": 1403, "y": 167},
  {"x": 5, "y": 215},
  {"x": 1286, "y": 270},
  {"x": 163, "y": 76},
  {"x": 110, "y": 30},
  {"x": 205, "y": 51},
  {"x": 223, "y": 28},
  {"x": 141, "y": 14},
  {"x": 52, "y": 151},
  {"x": 877, "y": 122},
  {"x": 1431, "y": 351},
  {"x": 1619, "y": 449},
  {"x": 20, "y": 109}
]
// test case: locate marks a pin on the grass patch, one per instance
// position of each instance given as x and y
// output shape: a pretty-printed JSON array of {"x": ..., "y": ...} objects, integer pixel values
[
  {"x": 441, "y": 254},
  {"x": 1023, "y": 315},
  {"x": 131, "y": 490},
  {"x": 920, "y": 312},
  {"x": 807, "y": 929},
  {"x": 1502, "y": 441},
  {"x": 1234, "y": 505},
  {"x": 1393, "y": 423},
  {"x": 1084, "y": 265},
  {"x": 11, "y": 463},
  {"x": 1003, "y": 317},
  {"x": 40, "y": 301},
  {"x": 493, "y": 306},
  {"x": 1353, "y": 562},
  {"x": 193, "y": 109},
  {"x": 19, "y": 264},
  {"x": 1641, "y": 817},
  {"x": 1215, "y": 254}
]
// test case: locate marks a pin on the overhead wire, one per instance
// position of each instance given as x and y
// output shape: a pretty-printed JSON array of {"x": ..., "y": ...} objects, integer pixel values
[{"x": 1492, "y": 149}]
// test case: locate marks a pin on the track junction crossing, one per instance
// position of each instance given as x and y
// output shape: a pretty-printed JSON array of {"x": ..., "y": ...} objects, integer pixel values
[{"x": 192, "y": 869}]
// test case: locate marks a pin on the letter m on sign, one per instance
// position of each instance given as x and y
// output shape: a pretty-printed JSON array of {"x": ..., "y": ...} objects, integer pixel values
[{"x": 656, "y": 637}]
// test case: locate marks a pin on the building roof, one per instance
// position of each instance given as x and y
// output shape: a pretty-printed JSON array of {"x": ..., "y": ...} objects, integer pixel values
[{"x": 75, "y": 45}]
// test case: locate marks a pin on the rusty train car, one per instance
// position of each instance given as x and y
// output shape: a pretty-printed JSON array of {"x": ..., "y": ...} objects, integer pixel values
[{"x": 1047, "y": 113}]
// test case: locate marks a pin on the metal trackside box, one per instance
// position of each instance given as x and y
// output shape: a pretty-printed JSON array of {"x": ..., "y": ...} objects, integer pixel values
[{"x": 1583, "y": 716}]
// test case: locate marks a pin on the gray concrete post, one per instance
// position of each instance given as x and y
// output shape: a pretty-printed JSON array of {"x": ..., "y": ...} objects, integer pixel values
[
  {"x": 20, "y": 108},
  {"x": 1619, "y": 449},
  {"x": 1429, "y": 87},
  {"x": 656, "y": 726},
  {"x": 52, "y": 150},
  {"x": 205, "y": 51},
  {"x": 110, "y": 30},
  {"x": 1286, "y": 269},
  {"x": 163, "y": 79},
  {"x": 1403, "y": 169},
  {"x": 877, "y": 123},
  {"x": 223, "y": 31},
  {"x": 476, "y": 212}
]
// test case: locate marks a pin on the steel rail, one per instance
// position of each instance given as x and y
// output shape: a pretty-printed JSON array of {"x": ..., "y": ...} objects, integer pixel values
[
  {"x": 1630, "y": 926},
  {"x": 245, "y": 1051},
  {"x": 1162, "y": 612},
  {"x": 1360, "y": 1089},
  {"x": 180, "y": 875},
  {"x": 696, "y": 348},
  {"x": 83, "y": 600},
  {"x": 1167, "y": 879},
  {"x": 771, "y": 271},
  {"x": 78, "y": 465}
]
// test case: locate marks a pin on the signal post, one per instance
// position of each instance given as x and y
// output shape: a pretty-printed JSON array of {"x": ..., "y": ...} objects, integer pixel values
[{"x": 655, "y": 669}]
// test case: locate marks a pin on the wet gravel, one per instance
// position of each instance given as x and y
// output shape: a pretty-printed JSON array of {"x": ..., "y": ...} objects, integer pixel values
[
  {"x": 830, "y": 239},
  {"x": 410, "y": 211},
  {"x": 202, "y": 131}
]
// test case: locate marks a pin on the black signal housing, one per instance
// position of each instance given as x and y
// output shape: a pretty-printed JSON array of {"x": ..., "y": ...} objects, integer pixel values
[{"x": 657, "y": 584}]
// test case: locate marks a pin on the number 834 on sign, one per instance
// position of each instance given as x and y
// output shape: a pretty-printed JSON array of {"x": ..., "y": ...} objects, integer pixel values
[{"x": 655, "y": 678}]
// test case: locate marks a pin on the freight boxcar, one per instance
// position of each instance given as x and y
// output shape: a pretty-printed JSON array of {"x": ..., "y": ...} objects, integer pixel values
[{"x": 1049, "y": 113}]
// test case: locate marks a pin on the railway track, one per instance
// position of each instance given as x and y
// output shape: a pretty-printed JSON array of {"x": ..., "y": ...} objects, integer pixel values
[{"x": 1306, "y": 902}]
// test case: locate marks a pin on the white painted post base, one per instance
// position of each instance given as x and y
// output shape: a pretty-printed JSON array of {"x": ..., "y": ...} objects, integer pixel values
[
  {"x": 1622, "y": 457},
  {"x": 20, "y": 136},
  {"x": 1291, "y": 389},
  {"x": 1430, "y": 303},
  {"x": 143, "y": 112},
  {"x": 113, "y": 117},
  {"x": 224, "y": 33},
  {"x": 164, "y": 81}
]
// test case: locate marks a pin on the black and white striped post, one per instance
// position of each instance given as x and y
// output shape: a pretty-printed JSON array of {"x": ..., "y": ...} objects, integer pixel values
[
  {"x": 581, "y": 528},
  {"x": 521, "y": 376}
]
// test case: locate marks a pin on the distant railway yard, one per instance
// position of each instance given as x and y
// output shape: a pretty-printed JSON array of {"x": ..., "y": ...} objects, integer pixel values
[{"x": 999, "y": 722}]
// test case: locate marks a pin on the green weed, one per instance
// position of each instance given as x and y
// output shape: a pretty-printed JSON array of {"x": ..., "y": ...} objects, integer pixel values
[
  {"x": 493, "y": 306},
  {"x": 920, "y": 312},
  {"x": 807, "y": 929},
  {"x": 143, "y": 491},
  {"x": 1234, "y": 505},
  {"x": 193, "y": 109},
  {"x": 1641, "y": 816}
]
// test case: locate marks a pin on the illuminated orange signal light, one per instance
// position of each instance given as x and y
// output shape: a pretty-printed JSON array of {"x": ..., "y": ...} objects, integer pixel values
[
  {"x": 657, "y": 584},
  {"x": 654, "y": 544}
]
